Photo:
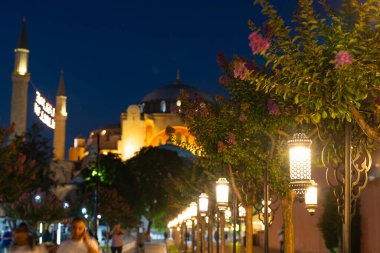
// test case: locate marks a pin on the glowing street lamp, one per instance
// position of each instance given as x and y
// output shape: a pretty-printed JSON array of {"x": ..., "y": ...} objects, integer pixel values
[
  {"x": 203, "y": 208},
  {"x": 203, "y": 204},
  {"x": 311, "y": 198},
  {"x": 300, "y": 164},
  {"x": 242, "y": 212},
  {"x": 193, "y": 213},
  {"x": 222, "y": 191}
]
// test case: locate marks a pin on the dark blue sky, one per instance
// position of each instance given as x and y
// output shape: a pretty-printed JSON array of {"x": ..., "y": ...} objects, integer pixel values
[{"x": 114, "y": 52}]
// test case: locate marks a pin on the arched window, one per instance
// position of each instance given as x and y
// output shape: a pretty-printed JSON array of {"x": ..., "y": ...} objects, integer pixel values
[{"x": 163, "y": 106}]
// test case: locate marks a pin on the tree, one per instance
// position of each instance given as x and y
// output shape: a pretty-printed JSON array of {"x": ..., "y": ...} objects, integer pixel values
[
  {"x": 17, "y": 171},
  {"x": 324, "y": 68},
  {"x": 246, "y": 136},
  {"x": 37, "y": 206}
]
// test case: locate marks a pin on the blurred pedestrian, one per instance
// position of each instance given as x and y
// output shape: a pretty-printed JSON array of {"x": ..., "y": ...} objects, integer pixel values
[
  {"x": 281, "y": 238},
  {"x": 24, "y": 241},
  {"x": 116, "y": 235},
  {"x": 7, "y": 239},
  {"x": 80, "y": 241}
]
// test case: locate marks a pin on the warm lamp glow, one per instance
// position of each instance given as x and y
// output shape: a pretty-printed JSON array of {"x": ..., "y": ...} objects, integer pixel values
[
  {"x": 193, "y": 210},
  {"x": 242, "y": 211},
  {"x": 300, "y": 163},
  {"x": 227, "y": 214},
  {"x": 203, "y": 204},
  {"x": 311, "y": 198},
  {"x": 222, "y": 191}
]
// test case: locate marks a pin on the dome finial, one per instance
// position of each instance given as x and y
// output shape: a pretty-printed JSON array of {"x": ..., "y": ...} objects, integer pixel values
[{"x": 178, "y": 79}]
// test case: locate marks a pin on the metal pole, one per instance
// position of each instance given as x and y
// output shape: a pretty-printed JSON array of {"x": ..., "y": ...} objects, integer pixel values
[
  {"x": 347, "y": 189},
  {"x": 266, "y": 237},
  {"x": 234, "y": 220},
  {"x": 217, "y": 231},
  {"x": 192, "y": 236},
  {"x": 96, "y": 187},
  {"x": 222, "y": 233},
  {"x": 210, "y": 235},
  {"x": 185, "y": 237},
  {"x": 202, "y": 238},
  {"x": 199, "y": 235}
]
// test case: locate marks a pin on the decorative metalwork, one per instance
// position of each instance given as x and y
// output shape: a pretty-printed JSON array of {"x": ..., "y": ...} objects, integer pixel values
[
  {"x": 274, "y": 205},
  {"x": 334, "y": 164}
]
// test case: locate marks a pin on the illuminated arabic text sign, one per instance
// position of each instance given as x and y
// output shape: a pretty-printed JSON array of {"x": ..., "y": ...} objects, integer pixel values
[{"x": 44, "y": 110}]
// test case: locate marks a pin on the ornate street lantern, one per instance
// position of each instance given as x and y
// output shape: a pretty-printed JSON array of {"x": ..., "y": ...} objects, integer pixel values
[
  {"x": 222, "y": 190},
  {"x": 242, "y": 212},
  {"x": 311, "y": 198},
  {"x": 228, "y": 214},
  {"x": 203, "y": 204},
  {"x": 300, "y": 164},
  {"x": 193, "y": 210}
]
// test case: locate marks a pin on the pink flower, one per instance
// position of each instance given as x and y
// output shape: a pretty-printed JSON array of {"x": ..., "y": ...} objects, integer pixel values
[
  {"x": 32, "y": 163},
  {"x": 240, "y": 69},
  {"x": 224, "y": 80},
  {"x": 231, "y": 139},
  {"x": 221, "y": 147},
  {"x": 257, "y": 43},
  {"x": 242, "y": 117},
  {"x": 342, "y": 58},
  {"x": 273, "y": 108},
  {"x": 21, "y": 158}
]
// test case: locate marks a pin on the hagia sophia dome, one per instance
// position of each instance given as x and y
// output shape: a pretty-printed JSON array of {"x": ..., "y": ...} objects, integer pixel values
[{"x": 165, "y": 98}]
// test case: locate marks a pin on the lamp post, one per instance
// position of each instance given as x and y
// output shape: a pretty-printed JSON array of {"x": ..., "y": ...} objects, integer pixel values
[
  {"x": 300, "y": 164},
  {"x": 180, "y": 226},
  {"x": 95, "y": 215},
  {"x": 203, "y": 208},
  {"x": 222, "y": 191},
  {"x": 193, "y": 212}
]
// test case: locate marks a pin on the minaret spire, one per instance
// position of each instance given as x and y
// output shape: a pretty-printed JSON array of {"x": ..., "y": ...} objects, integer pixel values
[
  {"x": 178, "y": 78},
  {"x": 61, "y": 85},
  {"x": 22, "y": 41},
  {"x": 60, "y": 121},
  {"x": 20, "y": 79}
]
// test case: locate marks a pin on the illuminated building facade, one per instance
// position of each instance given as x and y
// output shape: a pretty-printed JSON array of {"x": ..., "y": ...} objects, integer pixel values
[{"x": 144, "y": 124}]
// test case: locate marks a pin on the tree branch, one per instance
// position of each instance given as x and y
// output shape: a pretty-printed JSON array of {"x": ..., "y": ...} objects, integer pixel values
[
  {"x": 233, "y": 183},
  {"x": 367, "y": 129}
]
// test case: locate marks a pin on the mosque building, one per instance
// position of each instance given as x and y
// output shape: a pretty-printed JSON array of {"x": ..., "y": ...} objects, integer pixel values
[{"x": 141, "y": 125}]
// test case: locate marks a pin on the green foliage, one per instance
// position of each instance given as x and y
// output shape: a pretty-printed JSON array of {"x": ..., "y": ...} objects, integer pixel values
[
  {"x": 18, "y": 172},
  {"x": 330, "y": 224},
  {"x": 159, "y": 187}
]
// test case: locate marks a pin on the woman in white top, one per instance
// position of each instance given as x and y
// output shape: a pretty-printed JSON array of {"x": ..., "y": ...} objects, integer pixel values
[
  {"x": 117, "y": 239},
  {"x": 23, "y": 242}
]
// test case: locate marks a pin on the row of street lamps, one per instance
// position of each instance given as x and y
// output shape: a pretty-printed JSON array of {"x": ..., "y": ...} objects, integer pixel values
[{"x": 300, "y": 182}]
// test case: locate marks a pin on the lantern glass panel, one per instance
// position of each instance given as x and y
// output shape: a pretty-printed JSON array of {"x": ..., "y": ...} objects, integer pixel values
[
  {"x": 222, "y": 190},
  {"x": 203, "y": 203},
  {"x": 311, "y": 196},
  {"x": 300, "y": 168},
  {"x": 193, "y": 210}
]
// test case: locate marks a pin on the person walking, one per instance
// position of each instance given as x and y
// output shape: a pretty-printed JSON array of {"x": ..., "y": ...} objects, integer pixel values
[
  {"x": 117, "y": 239},
  {"x": 80, "y": 241},
  {"x": 7, "y": 239},
  {"x": 24, "y": 241},
  {"x": 281, "y": 238}
]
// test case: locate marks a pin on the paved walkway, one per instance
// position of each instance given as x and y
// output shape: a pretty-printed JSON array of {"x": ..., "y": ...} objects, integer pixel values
[{"x": 160, "y": 247}]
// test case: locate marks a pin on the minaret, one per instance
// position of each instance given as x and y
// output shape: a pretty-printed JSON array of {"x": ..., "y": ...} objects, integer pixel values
[
  {"x": 20, "y": 79},
  {"x": 60, "y": 121}
]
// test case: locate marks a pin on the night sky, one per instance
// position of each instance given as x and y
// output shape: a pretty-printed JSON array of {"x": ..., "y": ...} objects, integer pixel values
[{"x": 115, "y": 52}]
